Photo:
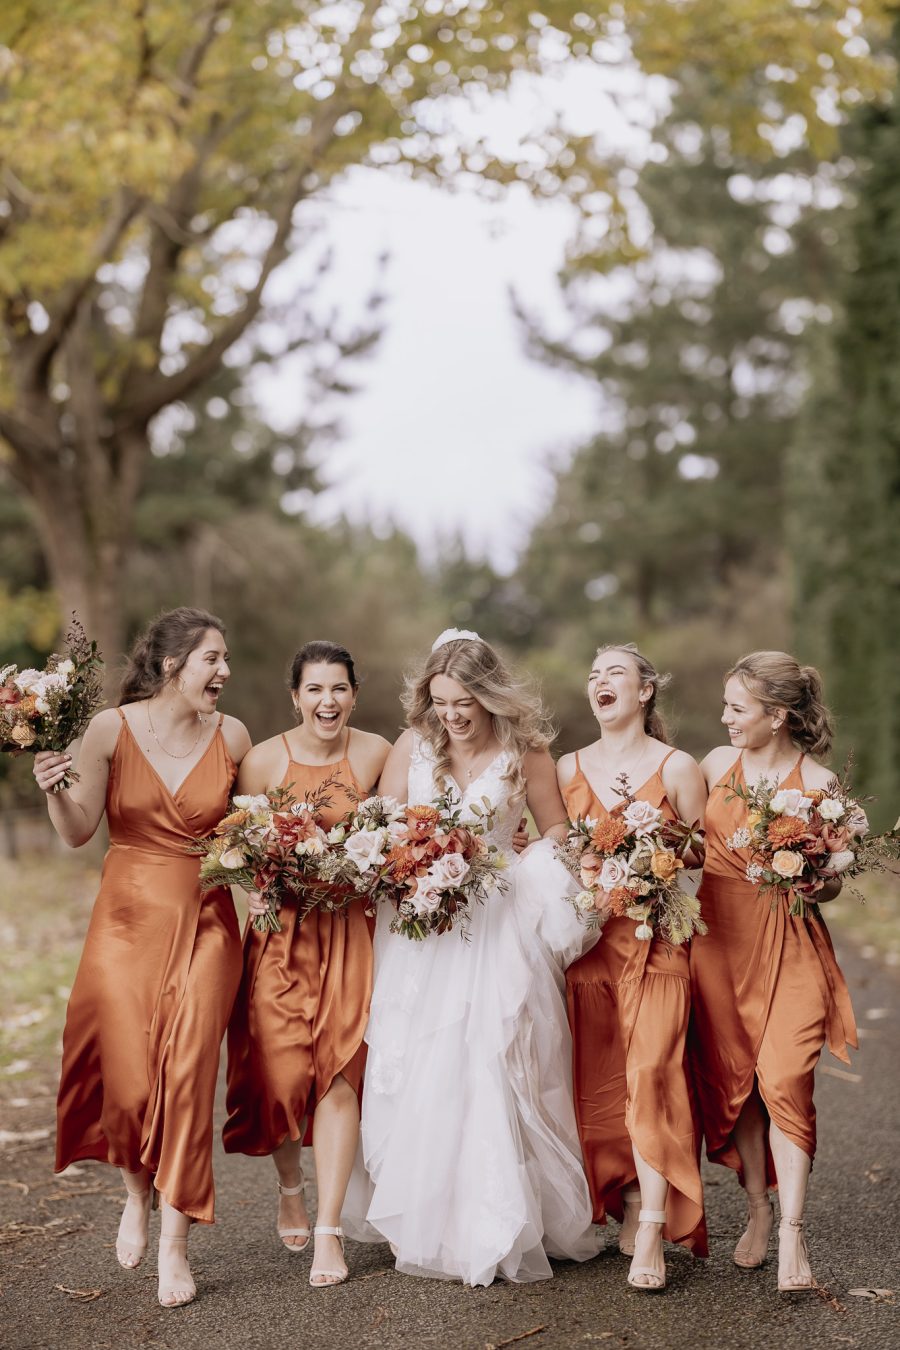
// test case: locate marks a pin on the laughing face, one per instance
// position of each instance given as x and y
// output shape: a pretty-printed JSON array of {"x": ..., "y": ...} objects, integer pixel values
[
  {"x": 324, "y": 698},
  {"x": 614, "y": 688},
  {"x": 202, "y": 677},
  {"x": 466, "y": 720},
  {"x": 748, "y": 723}
]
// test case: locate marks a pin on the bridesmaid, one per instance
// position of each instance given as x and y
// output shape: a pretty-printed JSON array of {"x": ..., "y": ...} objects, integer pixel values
[
  {"x": 161, "y": 961},
  {"x": 629, "y": 1000},
  {"x": 767, "y": 990},
  {"x": 295, "y": 1042}
]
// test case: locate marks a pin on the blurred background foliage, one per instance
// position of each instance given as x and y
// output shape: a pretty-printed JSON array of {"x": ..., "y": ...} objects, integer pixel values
[{"x": 736, "y": 301}]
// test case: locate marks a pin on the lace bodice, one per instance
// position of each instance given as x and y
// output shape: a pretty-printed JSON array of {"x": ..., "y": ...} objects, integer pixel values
[{"x": 423, "y": 788}]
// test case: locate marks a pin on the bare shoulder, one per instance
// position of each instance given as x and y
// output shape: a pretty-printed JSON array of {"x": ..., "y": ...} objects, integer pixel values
[
  {"x": 237, "y": 738},
  {"x": 815, "y": 775},
  {"x": 368, "y": 753},
  {"x": 263, "y": 753},
  {"x": 680, "y": 767},
  {"x": 103, "y": 732},
  {"x": 403, "y": 745},
  {"x": 566, "y": 766},
  {"x": 716, "y": 762}
]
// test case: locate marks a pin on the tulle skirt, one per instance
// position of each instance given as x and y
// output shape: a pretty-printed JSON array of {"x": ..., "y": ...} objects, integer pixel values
[{"x": 469, "y": 1162}]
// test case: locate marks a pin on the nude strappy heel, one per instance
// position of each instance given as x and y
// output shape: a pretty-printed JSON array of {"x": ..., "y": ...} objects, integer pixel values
[
  {"x": 184, "y": 1291},
  {"x": 293, "y": 1232},
  {"x": 328, "y": 1278},
  {"x": 656, "y": 1282},
  {"x": 807, "y": 1283},
  {"x": 130, "y": 1254},
  {"x": 750, "y": 1252}
]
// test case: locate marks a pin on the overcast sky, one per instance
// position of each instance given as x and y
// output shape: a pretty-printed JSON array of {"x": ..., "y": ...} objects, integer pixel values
[{"x": 455, "y": 426}]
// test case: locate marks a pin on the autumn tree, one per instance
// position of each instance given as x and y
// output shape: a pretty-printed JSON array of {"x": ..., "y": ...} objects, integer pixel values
[{"x": 157, "y": 163}]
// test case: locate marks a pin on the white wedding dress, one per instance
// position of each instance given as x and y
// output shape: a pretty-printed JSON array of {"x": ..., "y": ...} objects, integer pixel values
[{"x": 469, "y": 1161}]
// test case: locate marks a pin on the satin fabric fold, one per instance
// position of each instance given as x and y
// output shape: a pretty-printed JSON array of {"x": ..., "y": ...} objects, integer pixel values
[
  {"x": 629, "y": 1007},
  {"x": 767, "y": 994},
  {"x": 303, "y": 1005},
  {"x": 155, "y": 985}
]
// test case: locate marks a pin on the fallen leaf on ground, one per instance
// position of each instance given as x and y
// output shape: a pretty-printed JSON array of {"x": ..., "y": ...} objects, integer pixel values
[
  {"x": 81, "y": 1295},
  {"x": 511, "y": 1340},
  {"x": 871, "y": 1293}
]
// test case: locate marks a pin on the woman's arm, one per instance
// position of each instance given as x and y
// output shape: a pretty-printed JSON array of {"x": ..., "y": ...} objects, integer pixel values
[
  {"x": 544, "y": 800},
  {"x": 686, "y": 790},
  {"x": 394, "y": 780},
  {"x": 76, "y": 812}
]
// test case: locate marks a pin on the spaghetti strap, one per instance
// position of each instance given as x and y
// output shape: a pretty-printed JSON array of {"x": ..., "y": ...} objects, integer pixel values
[
  {"x": 121, "y": 714},
  {"x": 665, "y": 759},
  {"x": 287, "y": 748}
]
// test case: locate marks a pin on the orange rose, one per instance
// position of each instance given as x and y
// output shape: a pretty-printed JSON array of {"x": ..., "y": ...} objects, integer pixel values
[
  {"x": 664, "y": 865},
  {"x": 608, "y": 834},
  {"x": 591, "y": 865},
  {"x": 232, "y": 822}
]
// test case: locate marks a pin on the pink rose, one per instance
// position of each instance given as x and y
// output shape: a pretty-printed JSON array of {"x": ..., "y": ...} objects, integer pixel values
[
  {"x": 448, "y": 872},
  {"x": 641, "y": 817},
  {"x": 787, "y": 863},
  {"x": 613, "y": 873}
]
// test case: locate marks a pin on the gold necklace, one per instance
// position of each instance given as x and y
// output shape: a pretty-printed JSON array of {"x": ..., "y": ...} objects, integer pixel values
[
  {"x": 165, "y": 750},
  {"x": 476, "y": 760}
]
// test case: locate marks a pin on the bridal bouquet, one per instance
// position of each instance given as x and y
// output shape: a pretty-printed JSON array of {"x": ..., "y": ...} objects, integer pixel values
[
  {"x": 49, "y": 709},
  {"x": 271, "y": 843},
  {"x": 798, "y": 840},
  {"x": 629, "y": 864},
  {"x": 422, "y": 859}
]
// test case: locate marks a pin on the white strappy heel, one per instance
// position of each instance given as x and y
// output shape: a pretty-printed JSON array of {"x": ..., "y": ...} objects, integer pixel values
[
  {"x": 658, "y": 1281},
  {"x": 328, "y": 1278},
  {"x": 293, "y": 1232}
]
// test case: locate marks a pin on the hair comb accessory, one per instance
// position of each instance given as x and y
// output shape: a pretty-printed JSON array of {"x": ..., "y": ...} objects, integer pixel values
[{"x": 455, "y": 635}]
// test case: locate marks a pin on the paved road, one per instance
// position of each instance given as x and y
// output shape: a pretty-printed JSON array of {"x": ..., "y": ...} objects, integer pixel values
[{"x": 254, "y": 1295}]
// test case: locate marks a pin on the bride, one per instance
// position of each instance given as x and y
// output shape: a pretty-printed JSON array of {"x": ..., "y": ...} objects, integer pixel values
[{"x": 468, "y": 1129}]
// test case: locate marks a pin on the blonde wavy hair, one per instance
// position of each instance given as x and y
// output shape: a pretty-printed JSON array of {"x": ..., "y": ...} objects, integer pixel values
[
  {"x": 779, "y": 681},
  {"x": 518, "y": 718}
]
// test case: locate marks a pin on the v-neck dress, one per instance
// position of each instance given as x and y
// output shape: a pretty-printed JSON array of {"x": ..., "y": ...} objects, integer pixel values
[
  {"x": 629, "y": 1006},
  {"x": 767, "y": 992},
  {"x": 155, "y": 985},
  {"x": 303, "y": 1005}
]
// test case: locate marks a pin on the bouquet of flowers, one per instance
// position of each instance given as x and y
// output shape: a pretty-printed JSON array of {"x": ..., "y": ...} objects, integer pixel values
[
  {"x": 422, "y": 859},
  {"x": 49, "y": 709},
  {"x": 629, "y": 864},
  {"x": 271, "y": 843},
  {"x": 798, "y": 840}
]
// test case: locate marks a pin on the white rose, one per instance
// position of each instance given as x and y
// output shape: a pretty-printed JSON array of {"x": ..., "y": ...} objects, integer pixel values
[
  {"x": 397, "y": 832},
  {"x": 787, "y": 863},
  {"x": 259, "y": 802},
  {"x": 41, "y": 705},
  {"x": 791, "y": 802},
  {"x": 448, "y": 873},
  {"x": 584, "y": 901},
  {"x": 233, "y": 858},
  {"x": 25, "y": 679},
  {"x": 365, "y": 848},
  {"x": 315, "y": 846},
  {"x": 831, "y": 809},
  {"x": 65, "y": 669},
  {"x": 426, "y": 898},
  {"x": 839, "y": 862},
  {"x": 337, "y": 834},
  {"x": 641, "y": 817},
  {"x": 612, "y": 874}
]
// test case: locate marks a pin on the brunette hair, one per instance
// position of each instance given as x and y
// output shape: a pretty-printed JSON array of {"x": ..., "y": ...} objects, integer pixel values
[
  {"x": 172, "y": 634},
  {"x": 322, "y": 650},
  {"x": 648, "y": 674},
  {"x": 779, "y": 681},
  {"x": 518, "y": 718}
]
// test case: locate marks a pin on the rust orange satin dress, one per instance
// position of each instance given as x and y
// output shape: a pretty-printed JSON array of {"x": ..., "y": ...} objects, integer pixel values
[
  {"x": 303, "y": 1005},
  {"x": 629, "y": 1003},
  {"x": 155, "y": 986},
  {"x": 767, "y": 993}
]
